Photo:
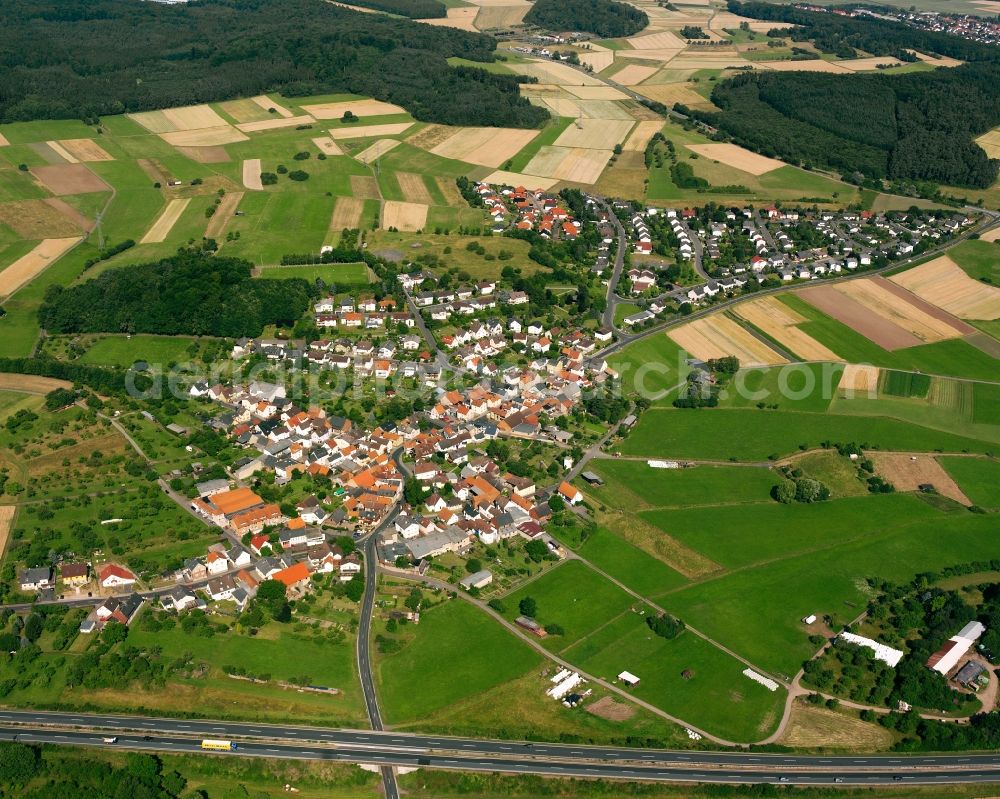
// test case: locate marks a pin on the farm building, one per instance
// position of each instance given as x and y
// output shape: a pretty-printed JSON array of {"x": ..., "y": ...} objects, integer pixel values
[
  {"x": 886, "y": 654},
  {"x": 531, "y": 626},
  {"x": 592, "y": 478},
  {"x": 954, "y": 649},
  {"x": 480, "y": 579},
  {"x": 969, "y": 674},
  {"x": 628, "y": 678}
]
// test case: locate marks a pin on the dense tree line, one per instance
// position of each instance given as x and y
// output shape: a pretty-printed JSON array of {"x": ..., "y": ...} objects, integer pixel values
[
  {"x": 917, "y": 126},
  {"x": 86, "y": 58},
  {"x": 605, "y": 18},
  {"x": 191, "y": 293},
  {"x": 414, "y": 9}
]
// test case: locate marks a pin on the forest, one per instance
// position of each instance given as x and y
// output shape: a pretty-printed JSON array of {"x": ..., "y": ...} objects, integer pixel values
[
  {"x": 414, "y": 9},
  {"x": 605, "y": 18},
  {"x": 86, "y": 58},
  {"x": 191, "y": 293},
  {"x": 917, "y": 126}
]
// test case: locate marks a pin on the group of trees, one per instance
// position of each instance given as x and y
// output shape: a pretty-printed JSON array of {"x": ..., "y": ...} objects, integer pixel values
[
  {"x": 190, "y": 293},
  {"x": 916, "y": 126},
  {"x": 87, "y": 58},
  {"x": 414, "y": 9},
  {"x": 605, "y": 18}
]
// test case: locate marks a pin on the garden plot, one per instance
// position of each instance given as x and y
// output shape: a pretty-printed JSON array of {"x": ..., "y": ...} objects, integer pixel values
[
  {"x": 735, "y": 156},
  {"x": 377, "y": 150},
  {"x": 27, "y": 267},
  {"x": 633, "y": 74},
  {"x": 406, "y": 217},
  {"x": 859, "y": 378},
  {"x": 63, "y": 179},
  {"x": 370, "y": 131},
  {"x": 908, "y": 472},
  {"x": 327, "y": 146},
  {"x": 718, "y": 336},
  {"x": 251, "y": 174},
  {"x": 564, "y": 163},
  {"x": 780, "y": 322},
  {"x": 484, "y": 146},
  {"x": 644, "y": 131},
  {"x": 594, "y": 134},
  {"x": 876, "y": 296},
  {"x": 360, "y": 108},
  {"x": 945, "y": 284},
  {"x": 164, "y": 224}
]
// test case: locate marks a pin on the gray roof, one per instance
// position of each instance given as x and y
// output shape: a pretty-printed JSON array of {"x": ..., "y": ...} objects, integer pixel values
[{"x": 474, "y": 579}]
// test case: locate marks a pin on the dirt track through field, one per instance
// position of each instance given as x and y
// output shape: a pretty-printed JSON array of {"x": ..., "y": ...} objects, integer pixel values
[
  {"x": 945, "y": 284},
  {"x": 346, "y": 214},
  {"x": 28, "y": 266},
  {"x": 718, "y": 336},
  {"x": 251, "y": 174},
  {"x": 848, "y": 311},
  {"x": 909, "y": 472},
  {"x": 162, "y": 226},
  {"x": 223, "y": 214}
]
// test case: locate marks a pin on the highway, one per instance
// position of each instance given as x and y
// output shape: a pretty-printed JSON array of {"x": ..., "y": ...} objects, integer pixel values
[{"x": 387, "y": 756}]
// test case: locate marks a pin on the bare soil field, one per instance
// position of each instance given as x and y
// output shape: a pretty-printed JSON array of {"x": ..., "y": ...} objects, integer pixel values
[
  {"x": 735, "y": 156},
  {"x": 556, "y": 73},
  {"x": 205, "y": 155},
  {"x": 406, "y": 217},
  {"x": 193, "y": 117},
  {"x": 361, "y": 108},
  {"x": 944, "y": 283},
  {"x": 370, "y": 131},
  {"x": 909, "y": 315},
  {"x": 462, "y": 19},
  {"x": 251, "y": 174},
  {"x": 657, "y": 41},
  {"x": 597, "y": 92},
  {"x": 69, "y": 179},
  {"x": 364, "y": 187},
  {"x": 633, "y": 74},
  {"x": 909, "y": 472},
  {"x": 37, "y": 219},
  {"x": 644, "y": 131},
  {"x": 780, "y": 322},
  {"x": 717, "y": 336},
  {"x": 64, "y": 154},
  {"x": 267, "y": 104},
  {"x": 595, "y": 134},
  {"x": 27, "y": 267},
  {"x": 414, "y": 189},
  {"x": 6, "y": 522},
  {"x": 377, "y": 150},
  {"x": 868, "y": 64},
  {"x": 430, "y": 136},
  {"x": 811, "y": 727},
  {"x": 845, "y": 309},
  {"x": 205, "y": 137},
  {"x": 608, "y": 708},
  {"x": 502, "y": 178},
  {"x": 327, "y": 146},
  {"x": 275, "y": 123},
  {"x": 817, "y": 65},
  {"x": 858, "y": 379},
  {"x": 3, "y": 141},
  {"x": 484, "y": 146},
  {"x": 223, "y": 213},
  {"x": 31, "y": 384},
  {"x": 168, "y": 218},
  {"x": 76, "y": 218},
  {"x": 85, "y": 150},
  {"x": 346, "y": 214}
]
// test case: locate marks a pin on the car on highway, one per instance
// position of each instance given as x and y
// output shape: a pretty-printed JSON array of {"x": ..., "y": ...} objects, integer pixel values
[{"x": 111, "y": 740}]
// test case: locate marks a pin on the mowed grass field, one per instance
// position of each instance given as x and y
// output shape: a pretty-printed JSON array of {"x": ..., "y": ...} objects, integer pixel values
[
  {"x": 457, "y": 651},
  {"x": 338, "y": 274},
  {"x": 126, "y": 350},
  {"x": 979, "y": 478}
]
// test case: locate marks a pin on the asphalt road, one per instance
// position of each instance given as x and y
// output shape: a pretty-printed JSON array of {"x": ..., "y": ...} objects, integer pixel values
[{"x": 387, "y": 756}]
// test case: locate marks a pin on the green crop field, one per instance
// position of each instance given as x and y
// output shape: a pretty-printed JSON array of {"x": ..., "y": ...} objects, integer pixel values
[
  {"x": 126, "y": 350},
  {"x": 750, "y": 435},
  {"x": 905, "y": 384},
  {"x": 574, "y": 597},
  {"x": 651, "y": 367},
  {"x": 336, "y": 274},
  {"x": 979, "y": 478},
  {"x": 979, "y": 259},
  {"x": 799, "y": 386},
  {"x": 986, "y": 404},
  {"x": 455, "y": 639}
]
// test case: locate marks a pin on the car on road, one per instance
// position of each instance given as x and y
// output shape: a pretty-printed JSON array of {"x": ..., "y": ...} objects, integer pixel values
[{"x": 111, "y": 740}]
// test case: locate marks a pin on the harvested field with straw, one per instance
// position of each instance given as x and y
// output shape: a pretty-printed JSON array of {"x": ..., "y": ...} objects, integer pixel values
[
  {"x": 868, "y": 64},
  {"x": 909, "y": 472},
  {"x": 414, "y": 189},
  {"x": 945, "y": 284},
  {"x": 406, "y": 217},
  {"x": 597, "y": 92},
  {"x": 346, "y": 214},
  {"x": 735, "y": 156},
  {"x": 556, "y": 73},
  {"x": 169, "y": 120},
  {"x": 63, "y": 179},
  {"x": 588, "y": 109},
  {"x": 275, "y": 123},
  {"x": 364, "y": 187},
  {"x": 462, "y": 18},
  {"x": 31, "y": 384},
  {"x": 377, "y": 150},
  {"x": 484, "y": 146},
  {"x": 27, "y": 267},
  {"x": 594, "y": 134},
  {"x": 502, "y": 178},
  {"x": 452, "y": 196},
  {"x": 267, "y": 104},
  {"x": 858, "y": 380},
  {"x": 205, "y": 137},
  {"x": 360, "y": 108},
  {"x": 251, "y": 174},
  {"x": 665, "y": 40},
  {"x": 925, "y": 325},
  {"x": 573, "y": 164},
  {"x": 845, "y": 309},
  {"x": 3, "y": 141},
  {"x": 223, "y": 213},
  {"x": 817, "y": 65},
  {"x": 37, "y": 219},
  {"x": 370, "y": 131},
  {"x": 327, "y": 146},
  {"x": 205, "y": 155},
  {"x": 501, "y": 16},
  {"x": 246, "y": 110},
  {"x": 650, "y": 55},
  {"x": 813, "y": 727},
  {"x": 633, "y": 74},
  {"x": 718, "y": 336},
  {"x": 168, "y": 218},
  {"x": 938, "y": 61},
  {"x": 780, "y": 322},
  {"x": 430, "y": 136},
  {"x": 598, "y": 59},
  {"x": 644, "y": 131},
  {"x": 672, "y": 93}
]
